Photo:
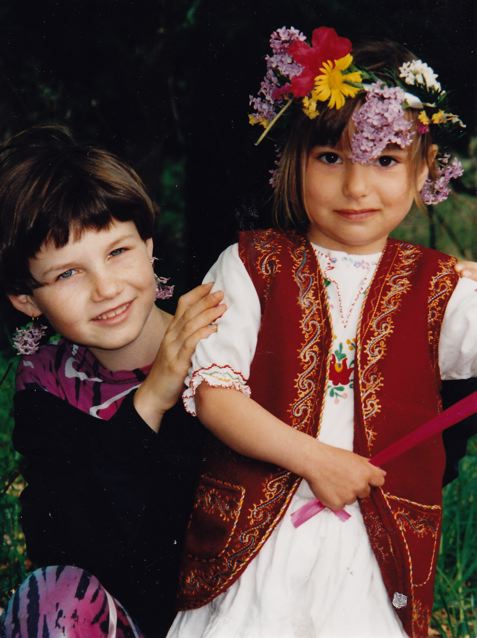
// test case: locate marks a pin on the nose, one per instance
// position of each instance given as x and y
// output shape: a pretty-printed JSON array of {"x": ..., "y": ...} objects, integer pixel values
[
  {"x": 356, "y": 181},
  {"x": 105, "y": 285}
]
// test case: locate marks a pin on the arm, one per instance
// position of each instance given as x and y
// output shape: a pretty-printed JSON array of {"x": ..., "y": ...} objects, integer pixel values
[
  {"x": 458, "y": 367},
  {"x": 96, "y": 488},
  {"x": 336, "y": 476}
]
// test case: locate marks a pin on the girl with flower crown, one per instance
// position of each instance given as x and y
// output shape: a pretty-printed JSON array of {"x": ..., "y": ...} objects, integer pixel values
[
  {"x": 333, "y": 347},
  {"x": 109, "y": 460}
]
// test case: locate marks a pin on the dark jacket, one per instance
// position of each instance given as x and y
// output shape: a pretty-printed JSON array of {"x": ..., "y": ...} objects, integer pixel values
[{"x": 112, "y": 497}]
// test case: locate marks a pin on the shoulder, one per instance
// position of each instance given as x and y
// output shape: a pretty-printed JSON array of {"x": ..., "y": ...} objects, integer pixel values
[
  {"x": 262, "y": 250},
  {"x": 40, "y": 370},
  {"x": 269, "y": 237},
  {"x": 422, "y": 253}
]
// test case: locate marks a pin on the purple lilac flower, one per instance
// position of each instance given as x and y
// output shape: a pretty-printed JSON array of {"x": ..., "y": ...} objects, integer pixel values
[
  {"x": 437, "y": 190},
  {"x": 380, "y": 121},
  {"x": 274, "y": 171},
  {"x": 279, "y": 65},
  {"x": 163, "y": 291},
  {"x": 27, "y": 340}
]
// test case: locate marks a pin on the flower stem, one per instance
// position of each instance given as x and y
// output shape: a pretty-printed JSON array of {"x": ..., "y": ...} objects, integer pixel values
[{"x": 272, "y": 123}]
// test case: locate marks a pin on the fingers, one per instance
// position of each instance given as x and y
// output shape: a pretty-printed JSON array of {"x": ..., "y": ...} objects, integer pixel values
[
  {"x": 377, "y": 477},
  {"x": 467, "y": 269},
  {"x": 198, "y": 299}
]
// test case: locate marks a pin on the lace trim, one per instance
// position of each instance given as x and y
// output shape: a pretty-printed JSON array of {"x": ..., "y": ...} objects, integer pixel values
[{"x": 217, "y": 377}]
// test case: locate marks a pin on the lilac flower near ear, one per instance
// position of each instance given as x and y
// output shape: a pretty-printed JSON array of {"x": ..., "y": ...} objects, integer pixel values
[
  {"x": 27, "y": 340},
  {"x": 163, "y": 291},
  {"x": 436, "y": 190},
  {"x": 380, "y": 121}
]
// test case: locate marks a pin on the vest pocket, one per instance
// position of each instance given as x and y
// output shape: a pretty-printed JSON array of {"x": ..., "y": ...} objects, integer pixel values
[
  {"x": 214, "y": 517},
  {"x": 420, "y": 529}
]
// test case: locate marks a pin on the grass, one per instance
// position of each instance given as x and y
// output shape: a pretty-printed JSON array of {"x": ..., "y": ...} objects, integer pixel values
[
  {"x": 455, "y": 608},
  {"x": 13, "y": 563}
]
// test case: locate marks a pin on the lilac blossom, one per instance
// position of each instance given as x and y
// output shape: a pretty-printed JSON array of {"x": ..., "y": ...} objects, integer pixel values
[
  {"x": 27, "y": 340},
  {"x": 436, "y": 190},
  {"x": 378, "y": 122},
  {"x": 274, "y": 171},
  {"x": 280, "y": 66},
  {"x": 163, "y": 291}
]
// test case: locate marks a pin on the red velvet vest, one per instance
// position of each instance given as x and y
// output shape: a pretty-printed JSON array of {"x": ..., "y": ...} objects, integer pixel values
[{"x": 239, "y": 501}]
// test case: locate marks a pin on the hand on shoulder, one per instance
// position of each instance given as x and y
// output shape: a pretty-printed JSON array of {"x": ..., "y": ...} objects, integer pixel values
[
  {"x": 467, "y": 269},
  {"x": 194, "y": 320}
]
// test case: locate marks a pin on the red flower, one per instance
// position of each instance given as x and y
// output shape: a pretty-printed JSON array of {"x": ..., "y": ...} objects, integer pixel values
[
  {"x": 326, "y": 44},
  {"x": 339, "y": 372}
]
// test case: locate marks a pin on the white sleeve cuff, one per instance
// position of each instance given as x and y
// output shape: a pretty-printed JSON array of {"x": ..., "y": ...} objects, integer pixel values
[{"x": 217, "y": 377}]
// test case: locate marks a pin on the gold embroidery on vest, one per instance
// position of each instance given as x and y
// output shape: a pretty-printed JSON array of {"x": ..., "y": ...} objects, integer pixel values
[
  {"x": 421, "y": 616},
  {"x": 419, "y": 521},
  {"x": 313, "y": 315},
  {"x": 380, "y": 328},
  {"x": 267, "y": 263},
  {"x": 215, "y": 502},
  {"x": 378, "y": 535},
  {"x": 274, "y": 489},
  {"x": 440, "y": 288}
]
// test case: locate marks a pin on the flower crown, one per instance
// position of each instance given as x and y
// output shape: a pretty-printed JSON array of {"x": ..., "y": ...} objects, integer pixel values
[{"x": 323, "y": 75}]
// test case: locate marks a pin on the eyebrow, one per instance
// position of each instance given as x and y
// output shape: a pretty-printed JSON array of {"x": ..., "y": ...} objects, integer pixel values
[{"x": 68, "y": 265}]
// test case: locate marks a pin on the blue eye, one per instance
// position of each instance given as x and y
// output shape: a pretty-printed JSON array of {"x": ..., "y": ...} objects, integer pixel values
[
  {"x": 329, "y": 158},
  {"x": 67, "y": 274},
  {"x": 117, "y": 251}
]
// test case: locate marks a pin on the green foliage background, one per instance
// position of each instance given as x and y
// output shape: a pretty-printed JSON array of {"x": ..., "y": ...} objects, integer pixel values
[{"x": 164, "y": 83}]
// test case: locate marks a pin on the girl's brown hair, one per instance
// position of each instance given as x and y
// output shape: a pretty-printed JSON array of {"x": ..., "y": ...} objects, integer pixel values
[
  {"x": 51, "y": 186},
  {"x": 329, "y": 128}
]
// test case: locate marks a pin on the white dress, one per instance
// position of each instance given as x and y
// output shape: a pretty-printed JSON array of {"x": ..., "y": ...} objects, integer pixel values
[{"x": 321, "y": 579}]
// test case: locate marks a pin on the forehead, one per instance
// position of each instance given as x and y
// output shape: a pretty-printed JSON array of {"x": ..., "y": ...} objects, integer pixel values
[{"x": 83, "y": 239}]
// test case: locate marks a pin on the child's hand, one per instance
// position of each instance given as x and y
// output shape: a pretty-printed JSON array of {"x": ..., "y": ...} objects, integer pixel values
[
  {"x": 340, "y": 477},
  {"x": 193, "y": 321},
  {"x": 467, "y": 269}
]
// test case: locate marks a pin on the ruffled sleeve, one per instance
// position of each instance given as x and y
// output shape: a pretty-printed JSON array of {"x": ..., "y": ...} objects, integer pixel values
[
  {"x": 458, "y": 339},
  {"x": 224, "y": 358}
]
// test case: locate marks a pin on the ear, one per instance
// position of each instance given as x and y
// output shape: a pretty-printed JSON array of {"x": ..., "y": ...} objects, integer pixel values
[{"x": 25, "y": 304}]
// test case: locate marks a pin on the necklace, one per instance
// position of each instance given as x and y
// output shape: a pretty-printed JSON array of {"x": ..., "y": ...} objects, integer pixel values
[{"x": 329, "y": 262}]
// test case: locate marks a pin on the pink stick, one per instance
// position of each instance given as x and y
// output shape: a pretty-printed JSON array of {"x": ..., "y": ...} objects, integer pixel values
[{"x": 446, "y": 419}]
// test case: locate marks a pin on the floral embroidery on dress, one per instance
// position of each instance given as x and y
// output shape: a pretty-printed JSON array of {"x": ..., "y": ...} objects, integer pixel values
[{"x": 341, "y": 371}]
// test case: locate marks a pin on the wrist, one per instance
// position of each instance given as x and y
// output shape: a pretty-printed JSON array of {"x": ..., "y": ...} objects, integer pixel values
[
  {"x": 149, "y": 407},
  {"x": 307, "y": 459}
]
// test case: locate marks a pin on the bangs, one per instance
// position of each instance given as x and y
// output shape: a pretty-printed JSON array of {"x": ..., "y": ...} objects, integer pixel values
[
  {"x": 332, "y": 127},
  {"x": 53, "y": 189}
]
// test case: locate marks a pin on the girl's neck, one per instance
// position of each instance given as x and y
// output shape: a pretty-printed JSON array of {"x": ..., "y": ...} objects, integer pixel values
[
  {"x": 142, "y": 351},
  {"x": 328, "y": 243}
]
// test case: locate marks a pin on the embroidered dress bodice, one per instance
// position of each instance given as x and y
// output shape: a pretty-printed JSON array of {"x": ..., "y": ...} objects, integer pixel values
[{"x": 322, "y": 579}]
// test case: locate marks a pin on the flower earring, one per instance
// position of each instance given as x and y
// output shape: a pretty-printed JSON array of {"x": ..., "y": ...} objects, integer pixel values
[
  {"x": 26, "y": 340},
  {"x": 437, "y": 189},
  {"x": 163, "y": 290}
]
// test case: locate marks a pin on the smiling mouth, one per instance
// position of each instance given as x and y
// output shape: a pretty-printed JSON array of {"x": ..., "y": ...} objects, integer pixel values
[
  {"x": 357, "y": 214},
  {"x": 111, "y": 314}
]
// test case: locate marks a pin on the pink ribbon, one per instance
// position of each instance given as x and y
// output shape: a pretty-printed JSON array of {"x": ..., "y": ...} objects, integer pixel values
[{"x": 446, "y": 419}]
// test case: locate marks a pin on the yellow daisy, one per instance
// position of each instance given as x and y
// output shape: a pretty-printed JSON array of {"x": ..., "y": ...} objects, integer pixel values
[
  {"x": 309, "y": 107},
  {"x": 423, "y": 118},
  {"x": 332, "y": 83},
  {"x": 439, "y": 117},
  {"x": 253, "y": 119}
]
